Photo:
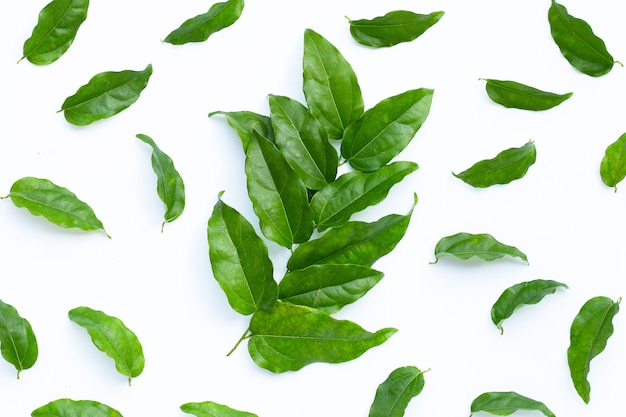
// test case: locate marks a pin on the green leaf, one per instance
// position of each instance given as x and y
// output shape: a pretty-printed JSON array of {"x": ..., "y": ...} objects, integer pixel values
[
  {"x": 244, "y": 122},
  {"x": 484, "y": 246},
  {"x": 529, "y": 292},
  {"x": 395, "y": 393},
  {"x": 506, "y": 403},
  {"x": 613, "y": 165},
  {"x": 279, "y": 197},
  {"x": 56, "y": 29},
  {"x": 18, "y": 344},
  {"x": 111, "y": 336},
  {"x": 199, "y": 28},
  {"x": 578, "y": 44},
  {"x": 170, "y": 186},
  {"x": 354, "y": 191},
  {"x": 211, "y": 409},
  {"x": 303, "y": 141},
  {"x": 290, "y": 337},
  {"x": 393, "y": 28},
  {"x": 385, "y": 130},
  {"x": 70, "y": 408},
  {"x": 105, "y": 95},
  {"x": 56, "y": 204},
  {"x": 515, "y": 95},
  {"x": 509, "y": 165},
  {"x": 328, "y": 287},
  {"x": 330, "y": 85},
  {"x": 589, "y": 333},
  {"x": 240, "y": 261}
]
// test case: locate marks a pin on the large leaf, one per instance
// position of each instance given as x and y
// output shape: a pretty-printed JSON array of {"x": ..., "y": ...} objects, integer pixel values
[
  {"x": 507, "y": 403},
  {"x": 212, "y": 409},
  {"x": 65, "y": 407},
  {"x": 395, "y": 393},
  {"x": 244, "y": 122},
  {"x": 18, "y": 344}
]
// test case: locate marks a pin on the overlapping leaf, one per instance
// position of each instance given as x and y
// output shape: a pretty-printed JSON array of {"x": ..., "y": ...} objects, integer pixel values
[
  {"x": 244, "y": 122},
  {"x": 18, "y": 344}
]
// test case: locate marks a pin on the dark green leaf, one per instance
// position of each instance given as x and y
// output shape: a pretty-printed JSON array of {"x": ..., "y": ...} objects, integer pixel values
[
  {"x": 18, "y": 344},
  {"x": 506, "y": 403},
  {"x": 240, "y": 261},
  {"x": 244, "y": 122},
  {"x": 290, "y": 337},
  {"x": 509, "y": 165},
  {"x": 71, "y": 408},
  {"x": 385, "y": 130},
  {"x": 395, "y": 393},
  {"x": 211, "y": 409},
  {"x": 515, "y": 95},
  {"x": 589, "y": 333},
  {"x": 484, "y": 246},
  {"x": 105, "y": 95},
  {"x": 613, "y": 165},
  {"x": 55, "y": 31},
  {"x": 393, "y": 28},
  {"x": 199, "y": 28}
]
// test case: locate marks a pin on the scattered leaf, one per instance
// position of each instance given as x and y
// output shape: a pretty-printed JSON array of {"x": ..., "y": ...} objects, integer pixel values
[
  {"x": 613, "y": 165},
  {"x": 507, "y": 403},
  {"x": 515, "y": 95},
  {"x": 211, "y": 409},
  {"x": 395, "y": 393},
  {"x": 18, "y": 344},
  {"x": 70, "y": 408},
  {"x": 484, "y": 246}
]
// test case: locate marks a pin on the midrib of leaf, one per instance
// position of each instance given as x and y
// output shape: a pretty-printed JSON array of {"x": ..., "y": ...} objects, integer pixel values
[
  {"x": 49, "y": 206},
  {"x": 106, "y": 335},
  {"x": 244, "y": 274},
  {"x": 106, "y": 92},
  {"x": 590, "y": 354},
  {"x": 529, "y": 94},
  {"x": 13, "y": 344},
  {"x": 51, "y": 30},
  {"x": 502, "y": 164},
  {"x": 327, "y": 74}
]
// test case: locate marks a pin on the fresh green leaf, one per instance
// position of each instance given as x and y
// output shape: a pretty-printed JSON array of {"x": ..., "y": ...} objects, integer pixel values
[
  {"x": 330, "y": 85},
  {"x": 507, "y": 403},
  {"x": 56, "y": 204},
  {"x": 589, "y": 333},
  {"x": 70, "y": 408},
  {"x": 244, "y": 122},
  {"x": 211, "y": 409},
  {"x": 395, "y": 393},
  {"x": 56, "y": 29},
  {"x": 111, "y": 336},
  {"x": 105, "y": 95},
  {"x": 613, "y": 165},
  {"x": 515, "y": 95},
  {"x": 393, "y": 28},
  {"x": 199, "y": 28},
  {"x": 18, "y": 344},
  {"x": 290, "y": 337},
  {"x": 240, "y": 261},
  {"x": 170, "y": 186},
  {"x": 385, "y": 130},
  {"x": 529, "y": 292},
  {"x": 484, "y": 246},
  {"x": 509, "y": 165}
]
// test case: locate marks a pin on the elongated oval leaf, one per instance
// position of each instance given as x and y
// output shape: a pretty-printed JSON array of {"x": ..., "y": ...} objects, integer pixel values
[
  {"x": 240, "y": 261},
  {"x": 385, "y": 130},
  {"x": 170, "y": 185},
  {"x": 591, "y": 329},
  {"x": 65, "y": 407},
  {"x": 290, "y": 337},
  {"x": 244, "y": 122},
  {"x": 330, "y": 86},
  {"x": 613, "y": 165},
  {"x": 199, "y": 28},
  {"x": 56, "y": 29},
  {"x": 354, "y": 191},
  {"x": 212, "y": 409},
  {"x": 515, "y": 95},
  {"x": 529, "y": 292},
  {"x": 467, "y": 245},
  {"x": 18, "y": 343},
  {"x": 395, "y": 393},
  {"x": 111, "y": 336},
  {"x": 105, "y": 95},
  {"x": 507, "y": 403},
  {"x": 393, "y": 28},
  {"x": 56, "y": 204},
  {"x": 509, "y": 165}
]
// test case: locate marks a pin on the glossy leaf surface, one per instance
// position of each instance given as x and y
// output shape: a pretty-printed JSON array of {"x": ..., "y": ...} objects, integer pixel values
[
  {"x": 613, "y": 165},
  {"x": 56, "y": 29},
  {"x": 385, "y": 130},
  {"x": 56, "y": 204},
  {"x": 18, "y": 344},
  {"x": 105, "y": 95},
  {"x": 278, "y": 195},
  {"x": 579, "y": 45},
  {"x": 71, "y": 408},
  {"x": 111, "y": 336},
  {"x": 467, "y": 245},
  {"x": 507, "y": 403},
  {"x": 212, "y": 409},
  {"x": 529, "y": 292},
  {"x": 393, "y": 28},
  {"x": 170, "y": 185},
  {"x": 395, "y": 393},
  {"x": 515, "y": 95},
  {"x": 354, "y": 191},
  {"x": 199, "y": 28},
  {"x": 290, "y": 337},
  {"x": 240, "y": 261},
  {"x": 509, "y": 165},
  {"x": 590, "y": 331},
  {"x": 330, "y": 85},
  {"x": 244, "y": 122}
]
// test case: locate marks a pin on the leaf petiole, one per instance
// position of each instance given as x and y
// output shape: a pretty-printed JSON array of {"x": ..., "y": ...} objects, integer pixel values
[{"x": 246, "y": 335}]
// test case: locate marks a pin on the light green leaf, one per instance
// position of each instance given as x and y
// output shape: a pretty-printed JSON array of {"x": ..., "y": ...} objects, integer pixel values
[
  {"x": 467, "y": 245},
  {"x": 507, "y": 403},
  {"x": 70, "y": 408},
  {"x": 211, "y": 409},
  {"x": 613, "y": 165},
  {"x": 18, "y": 344}
]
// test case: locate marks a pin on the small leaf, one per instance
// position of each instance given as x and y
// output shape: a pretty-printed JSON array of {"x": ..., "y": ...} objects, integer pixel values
[
  {"x": 515, "y": 95},
  {"x": 507, "y": 403},
  {"x": 199, "y": 28},
  {"x": 18, "y": 344},
  {"x": 613, "y": 165},
  {"x": 111, "y": 336},
  {"x": 244, "y": 122},
  {"x": 105, "y": 95},
  {"x": 395, "y": 393},
  {"x": 70, "y": 408},
  {"x": 589, "y": 333},
  {"x": 484, "y": 246},
  {"x": 211, "y": 409}
]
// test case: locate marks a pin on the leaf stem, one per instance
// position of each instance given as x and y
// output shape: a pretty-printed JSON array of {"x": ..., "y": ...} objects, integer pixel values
[{"x": 245, "y": 335}]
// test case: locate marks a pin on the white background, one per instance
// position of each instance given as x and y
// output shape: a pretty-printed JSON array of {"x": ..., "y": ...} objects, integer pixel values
[{"x": 561, "y": 215}]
